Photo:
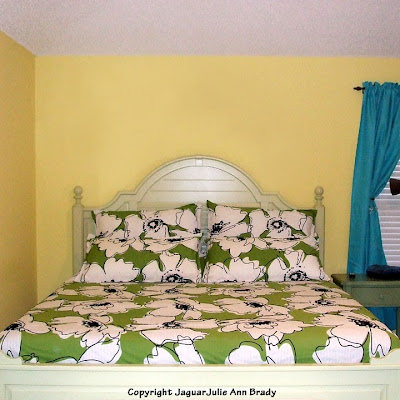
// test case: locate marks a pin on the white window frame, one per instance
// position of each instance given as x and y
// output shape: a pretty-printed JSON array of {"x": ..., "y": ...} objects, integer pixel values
[{"x": 389, "y": 218}]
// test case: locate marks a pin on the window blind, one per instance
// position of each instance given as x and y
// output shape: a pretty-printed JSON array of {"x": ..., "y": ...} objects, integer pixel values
[{"x": 389, "y": 217}]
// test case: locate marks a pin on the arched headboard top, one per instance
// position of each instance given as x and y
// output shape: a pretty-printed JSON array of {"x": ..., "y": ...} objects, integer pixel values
[{"x": 187, "y": 180}]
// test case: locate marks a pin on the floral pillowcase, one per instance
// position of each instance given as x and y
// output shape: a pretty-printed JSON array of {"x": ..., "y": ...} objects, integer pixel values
[
  {"x": 246, "y": 221},
  {"x": 246, "y": 245},
  {"x": 252, "y": 244},
  {"x": 148, "y": 246},
  {"x": 116, "y": 259},
  {"x": 182, "y": 221},
  {"x": 250, "y": 259}
]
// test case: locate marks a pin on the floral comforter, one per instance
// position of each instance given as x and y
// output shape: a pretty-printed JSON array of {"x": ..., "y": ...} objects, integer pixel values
[{"x": 169, "y": 323}]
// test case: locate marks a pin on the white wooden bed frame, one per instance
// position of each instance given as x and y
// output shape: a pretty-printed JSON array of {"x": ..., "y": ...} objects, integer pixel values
[{"x": 186, "y": 180}]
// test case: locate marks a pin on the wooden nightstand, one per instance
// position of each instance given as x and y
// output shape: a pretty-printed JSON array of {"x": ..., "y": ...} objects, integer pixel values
[{"x": 371, "y": 292}]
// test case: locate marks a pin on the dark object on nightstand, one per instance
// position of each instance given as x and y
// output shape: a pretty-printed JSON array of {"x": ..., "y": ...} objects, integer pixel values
[
  {"x": 383, "y": 272},
  {"x": 394, "y": 186}
]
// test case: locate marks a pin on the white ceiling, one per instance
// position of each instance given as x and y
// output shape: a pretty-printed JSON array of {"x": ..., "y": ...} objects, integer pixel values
[{"x": 367, "y": 28}]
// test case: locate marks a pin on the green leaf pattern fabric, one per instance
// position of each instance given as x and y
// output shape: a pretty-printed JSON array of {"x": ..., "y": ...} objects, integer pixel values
[
  {"x": 251, "y": 244},
  {"x": 249, "y": 259},
  {"x": 118, "y": 259},
  {"x": 161, "y": 224},
  {"x": 185, "y": 323},
  {"x": 247, "y": 221}
]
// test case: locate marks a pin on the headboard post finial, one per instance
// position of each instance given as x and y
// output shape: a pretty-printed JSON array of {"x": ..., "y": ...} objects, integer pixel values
[
  {"x": 78, "y": 194},
  {"x": 319, "y": 191},
  {"x": 77, "y": 229}
]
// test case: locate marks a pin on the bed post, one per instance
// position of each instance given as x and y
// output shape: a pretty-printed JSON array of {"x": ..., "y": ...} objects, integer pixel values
[
  {"x": 77, "y": 230},
  {"x": 320, "y": 220}
]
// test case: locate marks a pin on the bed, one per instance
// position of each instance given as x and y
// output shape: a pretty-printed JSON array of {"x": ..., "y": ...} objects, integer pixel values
[{"x": 198, "y": 315}]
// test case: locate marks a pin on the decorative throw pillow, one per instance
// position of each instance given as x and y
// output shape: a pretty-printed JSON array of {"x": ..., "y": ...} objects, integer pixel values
[
  {"x": 282, "y": 224},
  {"x": 182, "y": 221},
  {"x": 109, "y": 221},
  {"x": 250, "y": 259},
  {"x": 228, "y": 220},
  {"x": 248, "y": 221},
  {"x": 119, "y": 259}
]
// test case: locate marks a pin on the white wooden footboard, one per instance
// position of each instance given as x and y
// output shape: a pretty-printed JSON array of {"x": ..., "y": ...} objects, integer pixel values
[{"x": 379, "y": 380}]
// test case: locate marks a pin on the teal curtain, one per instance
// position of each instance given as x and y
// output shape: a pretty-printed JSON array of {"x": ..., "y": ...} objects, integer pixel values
[{"x": 378, "y": 151}]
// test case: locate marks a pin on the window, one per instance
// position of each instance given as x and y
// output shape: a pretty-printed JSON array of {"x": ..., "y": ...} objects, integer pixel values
[{"x": 389, "y": 217}]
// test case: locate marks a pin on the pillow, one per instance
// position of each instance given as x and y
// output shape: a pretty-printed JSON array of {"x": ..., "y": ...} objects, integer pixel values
[
  {"x": 182, "y": 221},
  {"x": 249, "y": 259},
  {"x": 227, "y": 220},
  {"x": 109, "y": 221},
  {"x": 248, "y": 221},
  {"x": 282, "y": 224},
  {"x": 119, "y": 259}
]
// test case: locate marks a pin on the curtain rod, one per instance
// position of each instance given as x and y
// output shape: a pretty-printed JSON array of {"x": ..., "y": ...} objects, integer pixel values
[{"x": 358, "y": 88}]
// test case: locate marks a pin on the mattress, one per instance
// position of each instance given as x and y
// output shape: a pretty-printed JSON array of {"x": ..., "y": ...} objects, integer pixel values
[{"x": 183, "y": 323}]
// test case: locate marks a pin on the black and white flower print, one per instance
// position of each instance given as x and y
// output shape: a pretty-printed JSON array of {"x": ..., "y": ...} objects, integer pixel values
[
  {"x": 167, "y": 223},
  {"x": 271, "y": 328},
  {"x": 10, "y": 338},
  {"x": 282, "y": 244},
  {"x": 90, "y": 330},
  {"x": 236, "y": 245},
  {"x": 187, "y": 308},
  {"x": 351, "y": 330},
  {"x": 320, "y": 305},
  {"x": 227, "y": 221},
  {"x": 61, "y": 292},
  {"x": 168, "y": 244},
  {"x": 301, "y": 267},
  {"x": 184, "y": 353},
  {"x": 288, "y": 243},
  {"x": 279, "y": 224},
  {"x": 133, "y": 226},
  {"x": 250, "y": 354},
  {"x": 106, "y": 224},
  {"x": 173, "y": 290},
  {"x": 118, "y": 243},
  {"x": 246, "y": 290},
  {"x": 107, "y": 292},
  {"x": 338, "y": 351},
  {"x": 193, "y": 324},
  {"x": 239, "y": 270},
  {"x": 104, "y": 352},
  {"x": 47, "y": 305},
  {"x": 251, "y": 305},
  {"x": 174, "y": 269},
  {"x": 161, "y": 330},
  {"x": 113, "y": 271},
  {"x": 313, "y": 289},
  {"x": 188, "y": 224},
  {"x": 99, "y": 307}
]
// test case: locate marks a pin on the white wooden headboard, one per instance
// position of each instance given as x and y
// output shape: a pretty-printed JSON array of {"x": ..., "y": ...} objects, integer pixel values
[{"x": 187, "y": 180}]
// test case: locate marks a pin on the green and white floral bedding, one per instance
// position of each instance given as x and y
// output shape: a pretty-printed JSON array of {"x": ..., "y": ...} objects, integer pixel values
[{"x": 175, "y": 323}]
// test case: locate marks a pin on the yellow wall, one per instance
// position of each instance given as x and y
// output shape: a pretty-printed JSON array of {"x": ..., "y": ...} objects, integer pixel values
[
  {"x": 106, "y": 122},
  {"x": 17, "y": 181}
]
